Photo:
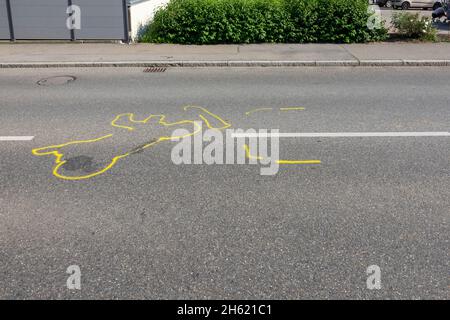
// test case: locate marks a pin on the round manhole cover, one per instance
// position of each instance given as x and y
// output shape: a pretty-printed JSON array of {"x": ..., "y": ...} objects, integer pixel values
[{"x": 56, "y": 81}]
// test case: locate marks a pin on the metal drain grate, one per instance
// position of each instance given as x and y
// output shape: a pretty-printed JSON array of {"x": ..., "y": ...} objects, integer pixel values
[{"x": 155, "y": 69}]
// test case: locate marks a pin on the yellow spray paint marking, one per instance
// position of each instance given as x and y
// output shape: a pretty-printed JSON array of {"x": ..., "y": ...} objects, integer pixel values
[
  {"x": 59, "y": 162},
  {"x": 58, "y": 157},
  {"x": 225, "y": 124},
  {"x": 250, "y": 156},
  {"x": 299, "y": 162},
  {"x": 257, "y": 110},
  {"x": 292, "y": 108}
]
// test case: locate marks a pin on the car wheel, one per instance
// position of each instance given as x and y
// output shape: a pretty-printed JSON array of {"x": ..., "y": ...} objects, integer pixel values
[
  {"x": 405, "y": 6},
  {"x": 436, "y": 6},
  {"x": 388, "y": 4}
]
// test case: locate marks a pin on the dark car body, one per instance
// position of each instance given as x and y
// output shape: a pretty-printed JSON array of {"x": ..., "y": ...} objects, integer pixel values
[{"x": 385, "y": 3}]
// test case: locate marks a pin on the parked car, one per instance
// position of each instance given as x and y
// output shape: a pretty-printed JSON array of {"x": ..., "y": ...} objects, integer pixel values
[
  {"x": 424, "y": 4},
  {"x": 385, "y": 3}
]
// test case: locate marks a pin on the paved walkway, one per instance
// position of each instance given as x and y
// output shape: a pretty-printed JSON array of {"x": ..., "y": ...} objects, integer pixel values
[{"x": 114, "y": 54}]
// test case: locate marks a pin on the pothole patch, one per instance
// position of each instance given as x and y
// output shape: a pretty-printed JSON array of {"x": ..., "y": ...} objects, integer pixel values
[{"x": 56, "y": 80}]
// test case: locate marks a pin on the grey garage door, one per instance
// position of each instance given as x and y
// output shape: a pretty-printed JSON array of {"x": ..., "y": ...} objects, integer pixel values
[
  {"x": 40, "y": 19},
  {"x": 101, "y": 19},
  {"x": 4, "y": 24},
  {"x": 46, "y": 19}
]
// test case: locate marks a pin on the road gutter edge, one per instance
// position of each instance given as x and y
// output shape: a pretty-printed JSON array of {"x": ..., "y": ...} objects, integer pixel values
[{"x": 232, "y": 63}]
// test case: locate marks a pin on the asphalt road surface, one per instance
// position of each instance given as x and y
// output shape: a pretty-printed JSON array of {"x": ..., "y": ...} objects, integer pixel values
[{"x": 150, "y": 229}]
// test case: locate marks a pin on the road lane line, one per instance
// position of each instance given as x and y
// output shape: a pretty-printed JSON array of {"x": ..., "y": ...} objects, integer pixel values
[
  {"x": 16, "y": 138},
  {"x": 340, "y": 134}
]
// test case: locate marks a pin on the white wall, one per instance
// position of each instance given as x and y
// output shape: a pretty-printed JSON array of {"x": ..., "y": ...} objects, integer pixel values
[{"x": 141, "y": 14}]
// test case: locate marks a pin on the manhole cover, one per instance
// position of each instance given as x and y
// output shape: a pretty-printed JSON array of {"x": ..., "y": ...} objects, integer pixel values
[{"x": 56, "y": 81}]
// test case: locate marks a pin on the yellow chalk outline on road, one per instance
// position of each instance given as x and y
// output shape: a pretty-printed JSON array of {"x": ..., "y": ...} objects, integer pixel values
[
  {"x": 130, "y": 116},
  {"x": 59, "y": 156},
  {"x": 162, "y": 121},
  {"x": 225, "y": 124},
  {"x": 250, "y": 156},
  {"x": 299, "y": 162},
  {"x": 292, "y": 108},
  {"x": 257, "y": 110}
]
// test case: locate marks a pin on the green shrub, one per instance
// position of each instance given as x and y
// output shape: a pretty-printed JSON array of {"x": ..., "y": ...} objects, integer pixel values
[
  {"x": 256, "y": 21},
  {"x": 341, "y": 21},
  {"x": 304, "y": 17},
  {"x": 346, "y": 21},
  {"x": 414, "y": 26},
  {"x": 219, "y": 21}
]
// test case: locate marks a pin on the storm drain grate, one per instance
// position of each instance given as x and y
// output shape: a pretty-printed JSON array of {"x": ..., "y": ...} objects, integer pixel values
[{"x": 155, "y": 69}]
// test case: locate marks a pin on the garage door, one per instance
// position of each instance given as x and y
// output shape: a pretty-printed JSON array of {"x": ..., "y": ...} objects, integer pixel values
[
  {"x": 47, "y": 19},
  {"x": 40, "y": 19},
  {"x": 4, "y": 24},
  {"x": 101, "y": 19}
]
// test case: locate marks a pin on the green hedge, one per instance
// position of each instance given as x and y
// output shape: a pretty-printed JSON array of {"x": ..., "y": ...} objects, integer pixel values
[{"x": 257, "y": 21}]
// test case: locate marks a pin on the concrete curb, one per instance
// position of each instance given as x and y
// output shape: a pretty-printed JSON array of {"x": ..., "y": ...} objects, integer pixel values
[{"x": 233, "y": 63}]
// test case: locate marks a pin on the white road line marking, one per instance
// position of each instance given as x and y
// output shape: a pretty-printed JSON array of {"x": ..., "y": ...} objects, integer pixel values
[
  {"x": 341, "y": 134},
  {"x": 16, "y": 138}
]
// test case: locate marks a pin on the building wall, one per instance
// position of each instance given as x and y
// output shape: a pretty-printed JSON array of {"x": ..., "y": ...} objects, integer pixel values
[{"x": 141, "y": 13}]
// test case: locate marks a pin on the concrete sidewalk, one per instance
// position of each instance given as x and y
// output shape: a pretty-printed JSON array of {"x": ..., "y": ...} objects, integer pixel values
[{"x": 145, "y": 55}]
